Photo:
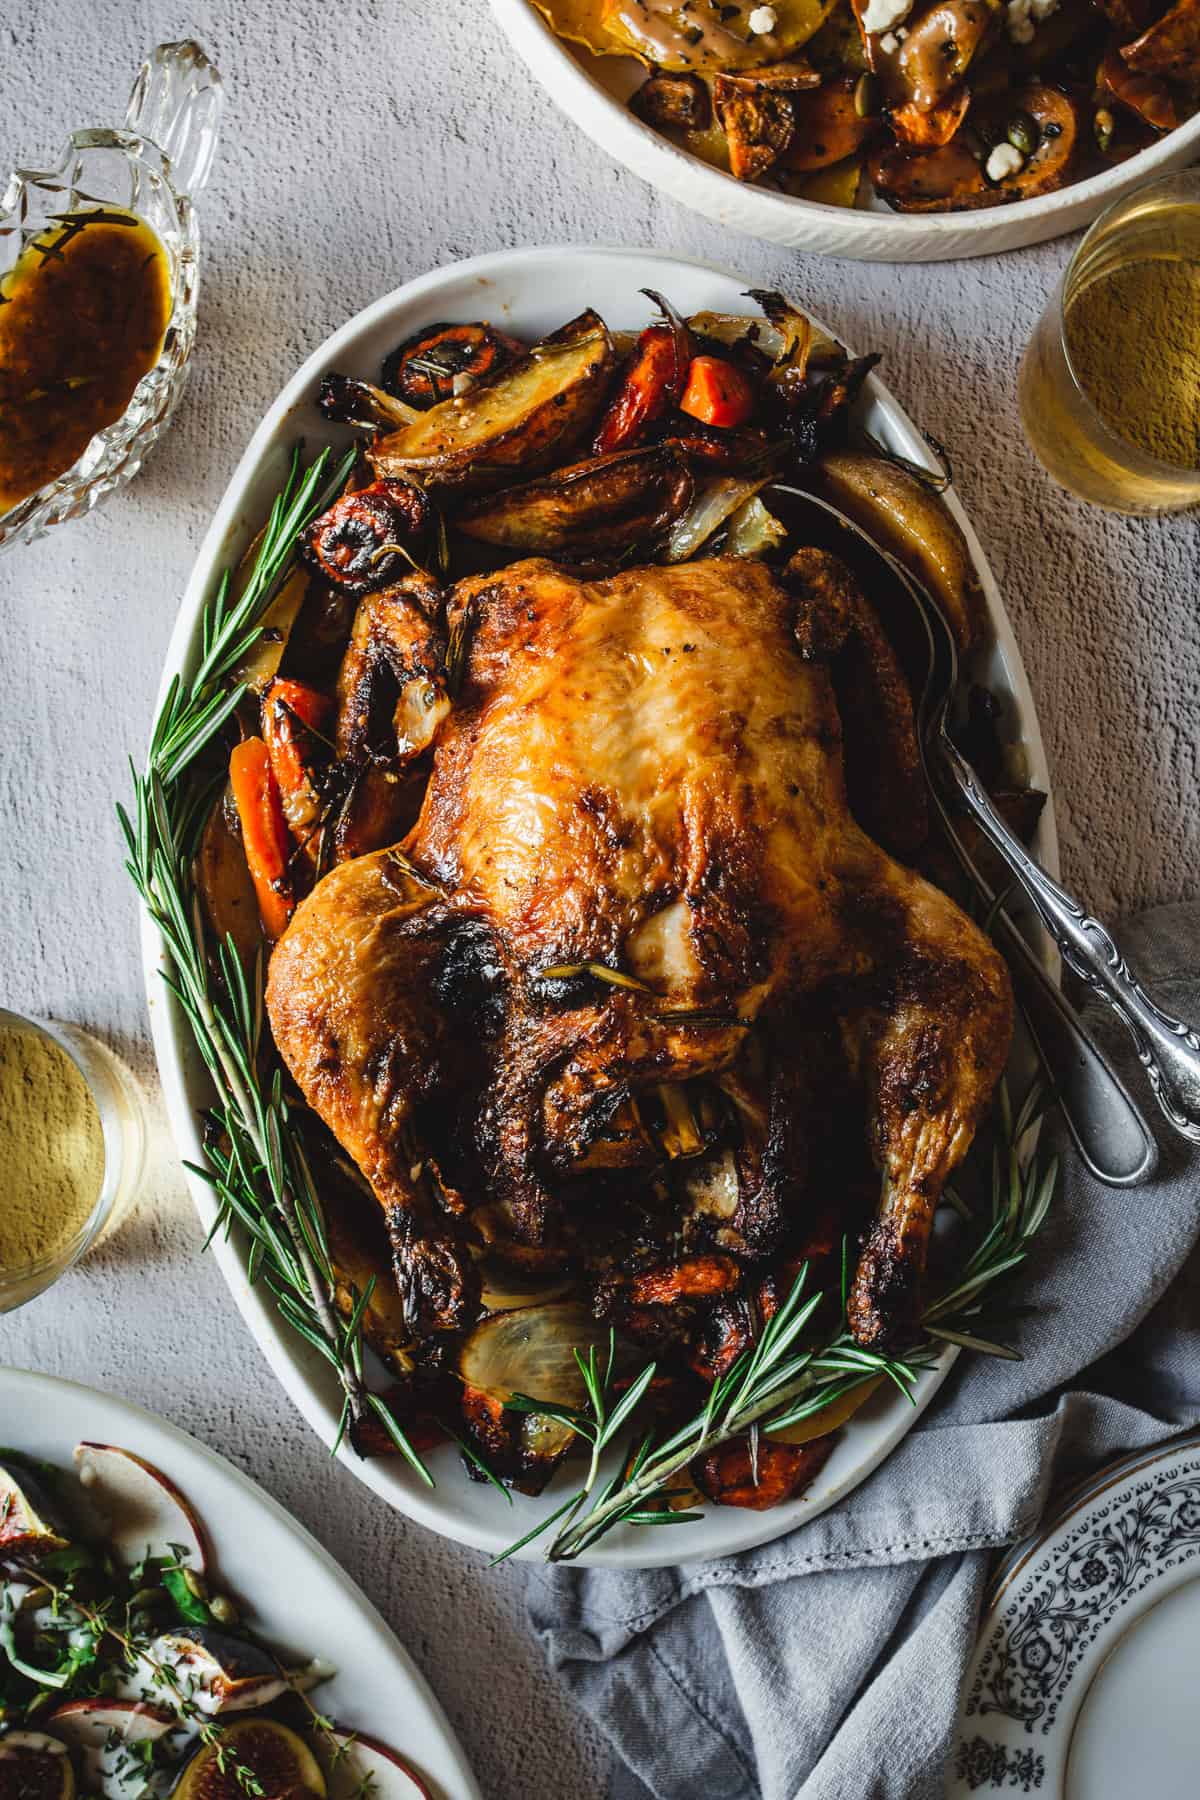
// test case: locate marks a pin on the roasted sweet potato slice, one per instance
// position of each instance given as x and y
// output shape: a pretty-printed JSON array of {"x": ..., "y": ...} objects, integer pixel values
[
  {"x": 932, "y": 59},
  {"x": 950, "y": 179},
  {"x": 516, "y": 424},
  {"x": 929, "y": 130},
  {"x": 757, "y": 112},
  {"x": 1171, "y": 46},
  {"x": 731, "y": 1476},
  {"x": 605, "y": 504},
  {"x": 1147, "y": 96},
  {"x": 827, "y": 125},
  {"x": 673, "y": 103}
]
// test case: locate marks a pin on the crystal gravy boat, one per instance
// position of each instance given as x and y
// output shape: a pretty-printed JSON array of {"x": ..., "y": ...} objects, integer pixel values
[{"x": 154, "y": 166}]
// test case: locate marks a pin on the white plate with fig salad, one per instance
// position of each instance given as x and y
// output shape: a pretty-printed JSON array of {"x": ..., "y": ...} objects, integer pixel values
[
  {"x": 599, "y": 435},
  {"x": 880, "y": 129},
  {"x": 166, "y": 1630}
]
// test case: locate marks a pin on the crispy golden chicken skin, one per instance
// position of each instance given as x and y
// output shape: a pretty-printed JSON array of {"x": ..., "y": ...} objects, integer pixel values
[{"x": 643, "y": 774}]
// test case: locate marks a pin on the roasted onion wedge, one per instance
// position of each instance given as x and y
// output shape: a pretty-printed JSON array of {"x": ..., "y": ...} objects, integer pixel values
[
  {"x": 605, "y": 504},
  {"x": 517, "y": 423}
]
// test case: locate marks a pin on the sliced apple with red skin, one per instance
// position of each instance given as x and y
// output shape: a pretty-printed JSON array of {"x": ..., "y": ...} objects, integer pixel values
[
  {"x": 219, "y": 1673},
  {"x": 101, "y": 1731},
  {"x": 29, "y": 1521},
  {"x": 35, "y": 1766},
  {"x": 366, "y": 1766},
  {"x": 145, "y": 1513}
]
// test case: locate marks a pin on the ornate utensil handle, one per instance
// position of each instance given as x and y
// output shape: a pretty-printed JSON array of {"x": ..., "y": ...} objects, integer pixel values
[
  {"x": 176, "y": 102},
  {"x": 1168, "y": 1050}
]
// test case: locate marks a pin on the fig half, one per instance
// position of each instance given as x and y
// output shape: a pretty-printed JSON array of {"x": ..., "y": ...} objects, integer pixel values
[
  {"x": 278, "y": 1760},
  {"x": 218, "y": 1672},
  {"x": 29, "y": 1521},
  {"x": 34, "y": 1766}
]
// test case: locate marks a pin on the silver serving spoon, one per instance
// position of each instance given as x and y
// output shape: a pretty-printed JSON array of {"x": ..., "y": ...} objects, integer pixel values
[{"x": 1104, "y": 1121}]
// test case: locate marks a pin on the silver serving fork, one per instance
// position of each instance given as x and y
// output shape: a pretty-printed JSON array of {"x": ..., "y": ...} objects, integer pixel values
[{"x": 1105, "y": 1123}]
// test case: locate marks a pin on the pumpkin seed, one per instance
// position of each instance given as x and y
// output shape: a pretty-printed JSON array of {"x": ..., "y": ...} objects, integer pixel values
[
  {"x": 866, "y": 95},
  {"x": 1104, "y": 125},
  {"x": 1023, "y": 133},
  {"x": 223, "y": 1610}
]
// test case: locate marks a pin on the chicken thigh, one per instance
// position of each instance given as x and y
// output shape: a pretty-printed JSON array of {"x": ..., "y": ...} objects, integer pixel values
[{"x": 634, "y": 868}]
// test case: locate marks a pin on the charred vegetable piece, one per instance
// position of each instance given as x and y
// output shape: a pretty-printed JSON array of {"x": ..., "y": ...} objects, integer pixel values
[
  {"x": 607, "y": 504},
  {"x": 293, "y": 717},
  {"x": 941, "y": 43},
  {"x": 673, "y": 103},
  {"x": 29, "y": 1521},
  {"x": 693, "y": 1278},
  {"x": 516, "y": 423},
  {"x": 828, "y": 125},
  {"x": 935, "y": 126},
  {"x": 35, "y": 1766},
  {"x": 1148, "y": 96},
  {"x": 1171, "y": 46},
  {"x": 733, "y": 1476},
  {"x": 915, "y": 525},
  {"x": 758, "y": 114},
  {"x": 371, "y": 536},
  {"x": 265, "y": 837},
  {"x": 446, "y": 360},
  {"x": 277, "y": 1759},
  {"x": 650, "y": 387},
  {"x": 706, "y": 35},
  {"x": 950, "y": 179},
  {"x": 717, "y": 393},
  {"x": 347, "y": 401},
  {"x": 719, "y": 448},
  {"x": 226, "y": 887}
]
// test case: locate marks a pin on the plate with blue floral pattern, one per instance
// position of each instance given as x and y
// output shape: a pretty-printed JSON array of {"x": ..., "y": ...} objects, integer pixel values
[{"x": 1084, "y": 1684}]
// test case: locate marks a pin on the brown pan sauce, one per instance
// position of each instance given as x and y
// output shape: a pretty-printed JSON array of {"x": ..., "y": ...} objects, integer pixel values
[{"x": 83, "y": 314}]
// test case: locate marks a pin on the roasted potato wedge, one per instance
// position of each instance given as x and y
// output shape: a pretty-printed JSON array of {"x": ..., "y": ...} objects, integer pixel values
[
  {"x": 758, "y": 114},
  {"x": 915, "y": 525},
  {"x": 605, "y": 504},
  {"x": 520, "y": 422}
]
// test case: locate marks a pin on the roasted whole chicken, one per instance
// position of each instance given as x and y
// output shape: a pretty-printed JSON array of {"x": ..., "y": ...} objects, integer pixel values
[
  {"x": 577, "y": 801},
  {"x": 636, "y": 916}
]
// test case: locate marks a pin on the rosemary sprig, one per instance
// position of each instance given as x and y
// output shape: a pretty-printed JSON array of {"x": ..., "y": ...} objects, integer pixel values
[
  {"x": 255, "y": 1157},
  {"x": 781, "y": 1380}
]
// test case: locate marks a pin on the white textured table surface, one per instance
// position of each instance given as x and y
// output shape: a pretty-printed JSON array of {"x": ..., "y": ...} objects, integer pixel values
[{"x": 364, "y": 143}]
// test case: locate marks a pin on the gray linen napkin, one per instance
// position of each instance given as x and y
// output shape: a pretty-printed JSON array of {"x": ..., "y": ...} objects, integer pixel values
[{"x": 828, "y": 1664}]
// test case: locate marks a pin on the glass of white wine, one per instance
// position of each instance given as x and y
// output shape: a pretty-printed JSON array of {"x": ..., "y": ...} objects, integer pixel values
[{"x": 1110, "y": 383}]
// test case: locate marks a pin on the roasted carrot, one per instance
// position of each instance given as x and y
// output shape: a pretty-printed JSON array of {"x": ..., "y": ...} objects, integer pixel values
[
  {"x": 290, "y": 710},
  {"x": 717, "y": 393},
  {"x": 651, "y": 386},
  {"x": 265, "y": 837}
]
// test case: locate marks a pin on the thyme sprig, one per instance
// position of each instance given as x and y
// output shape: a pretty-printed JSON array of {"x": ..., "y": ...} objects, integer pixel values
[
  {"x": 782, "y": 1379},
  {"x": 256, "y": 1163}
]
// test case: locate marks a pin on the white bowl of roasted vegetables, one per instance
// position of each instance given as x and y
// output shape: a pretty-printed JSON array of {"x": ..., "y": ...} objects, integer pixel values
[
  {"x": 131, "y": 1665},
  {"x": 537, "y": 897},
  {"x": 903, "y": 130}
]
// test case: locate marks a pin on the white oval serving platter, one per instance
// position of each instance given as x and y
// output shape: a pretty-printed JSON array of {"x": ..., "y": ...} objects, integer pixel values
[
  {"x": 1083, "y": 1682},
  {"x": 289, "y": 1584},
  {"x": 593, "y": 91},
  {"x": 530, "y": 292}
]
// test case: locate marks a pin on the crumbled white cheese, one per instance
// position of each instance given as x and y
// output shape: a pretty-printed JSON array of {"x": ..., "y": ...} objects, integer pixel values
[
  {"x": 1023, "y": 16},
  {"x": 762, "y": 20},
  {"x": 889, "y": 43},
  {"x": 1005, "y": 159},
  {"x": 881, "y": 15}
]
